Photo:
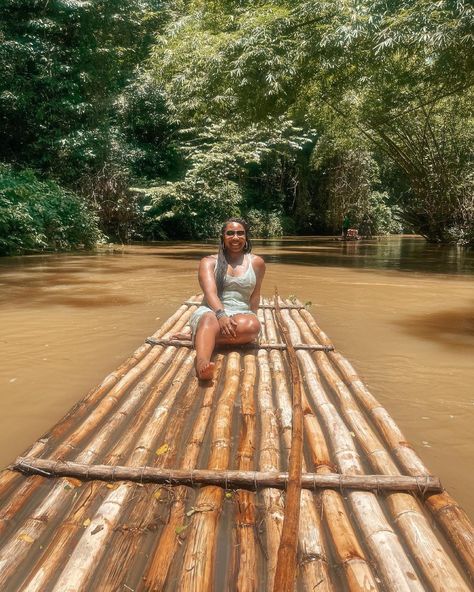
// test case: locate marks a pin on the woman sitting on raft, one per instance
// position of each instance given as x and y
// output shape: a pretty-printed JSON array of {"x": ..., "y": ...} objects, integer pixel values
[{"x": 231, "y": 282}]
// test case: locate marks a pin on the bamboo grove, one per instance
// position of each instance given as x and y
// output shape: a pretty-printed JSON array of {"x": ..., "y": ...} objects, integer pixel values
[{"x": 162, "y": 118}]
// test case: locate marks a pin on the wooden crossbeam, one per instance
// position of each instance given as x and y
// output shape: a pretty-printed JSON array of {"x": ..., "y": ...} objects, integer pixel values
[
  {"x": 251, "y": 480},
  {"x": 289, "y": 306},
  {"x": 245, "y": 346}
]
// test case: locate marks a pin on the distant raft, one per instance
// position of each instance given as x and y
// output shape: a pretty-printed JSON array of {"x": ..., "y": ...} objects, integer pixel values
[{"x": 155, "y": 481}]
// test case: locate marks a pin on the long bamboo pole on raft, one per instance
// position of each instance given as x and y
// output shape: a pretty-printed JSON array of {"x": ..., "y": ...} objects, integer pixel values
[
  {"x": 26, "y": 489},
  {"x": 452, "y": 519},
  {"x": 9, "y": 478},
  {"x": 348, "y": 551},
  {"x": 313, "y": 559},
  {"x": 248, "y": 480},
  {"x": 245, "y": 552},
  {"x": 87, "y": 554},
  {"x": 358, "y": 572},
  {"x": 147, "y": 419},
  {"x": 17, "y": 547},
  {"x": 167, "y": 545},
  {"x": 393, "y": 565},
  {"x": 197, "y": 571},
  {"x": 269, "y": 460},
  {"x": 426, "y": 550},
  {"x": 286, "y": 572}
]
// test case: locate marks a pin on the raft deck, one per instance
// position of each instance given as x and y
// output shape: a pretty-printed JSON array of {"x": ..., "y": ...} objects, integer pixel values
[{"x": 155, "y": 481}]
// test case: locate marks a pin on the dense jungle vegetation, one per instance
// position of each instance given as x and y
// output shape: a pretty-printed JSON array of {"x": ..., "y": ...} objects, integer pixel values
[{"x": 141, "y": 119}]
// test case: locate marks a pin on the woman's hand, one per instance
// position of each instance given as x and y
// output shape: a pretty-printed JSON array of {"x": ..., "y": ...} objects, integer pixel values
[{"x": 227, "y": 325}]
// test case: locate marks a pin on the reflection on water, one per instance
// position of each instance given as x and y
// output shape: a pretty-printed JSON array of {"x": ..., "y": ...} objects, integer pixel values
[
  {"x": 394, "y": 253},
  {"x": 404, "y": 254},
  {"x": 400, "y": 309}
]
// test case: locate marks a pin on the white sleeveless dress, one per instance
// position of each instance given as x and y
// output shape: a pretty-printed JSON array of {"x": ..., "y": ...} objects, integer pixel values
[{"x": 235, "y": 296}]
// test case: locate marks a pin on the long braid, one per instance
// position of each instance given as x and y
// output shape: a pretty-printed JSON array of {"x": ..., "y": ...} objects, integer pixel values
[
  {"x": 221, "y": 269},
  {"x": 221, "y": 265}
]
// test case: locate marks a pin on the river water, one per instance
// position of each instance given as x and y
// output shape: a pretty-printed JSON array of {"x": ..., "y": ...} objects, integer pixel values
[{"x": 400, "y": 310}]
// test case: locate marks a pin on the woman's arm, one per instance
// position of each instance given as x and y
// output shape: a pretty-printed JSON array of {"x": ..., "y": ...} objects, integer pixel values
[
  {"x": 207, "y": 281},
  {"x": 259, "y": 268}
]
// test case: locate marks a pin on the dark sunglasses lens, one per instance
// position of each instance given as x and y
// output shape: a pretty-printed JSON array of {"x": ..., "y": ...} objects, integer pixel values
[{"x": 237, "y": 232}]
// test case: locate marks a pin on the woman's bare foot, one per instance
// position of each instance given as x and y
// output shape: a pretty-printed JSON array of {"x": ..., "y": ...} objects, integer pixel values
[
  {"x": 181, "y": 336},
  {"x": 205, "y": 370}
]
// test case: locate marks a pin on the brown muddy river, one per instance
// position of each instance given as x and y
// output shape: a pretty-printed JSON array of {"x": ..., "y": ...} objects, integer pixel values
[{"x": 399, "y": 309}]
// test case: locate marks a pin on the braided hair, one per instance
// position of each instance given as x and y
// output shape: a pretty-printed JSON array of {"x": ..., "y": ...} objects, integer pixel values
[{"x": 221, "y": 265}]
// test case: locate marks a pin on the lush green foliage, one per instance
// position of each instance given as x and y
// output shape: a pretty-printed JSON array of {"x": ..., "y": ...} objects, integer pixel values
[
  {"x": 294, "y": 113},
  {"x": 38, "y": 215},
  {"x": 392, "y": 79},
  {"x": 73, "y": 105},
  {"x": 65, "y": 64}
]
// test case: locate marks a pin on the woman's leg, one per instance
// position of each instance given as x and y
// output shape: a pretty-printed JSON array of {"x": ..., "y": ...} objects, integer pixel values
[
  {"x": 204, "y": 342},
  {"x": 208, "y": 335},
  {"x": 247, "y": 330}
]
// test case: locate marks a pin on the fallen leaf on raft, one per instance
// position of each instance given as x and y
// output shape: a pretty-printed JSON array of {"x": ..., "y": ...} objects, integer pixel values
[
  {"x": 157, "y": 494},
  {"x": 86, "y": 522},
  {"x": 204, "y": 508},
  {"x": 97, "y": 529},
  {"x": 179, "y": 529},
  {"x": 111, "y": 485},
  {"x": 162, "y": 449},
  {"x": 26, "y": 538},
  {"x": 228, "y": 494},
  {"x": 74, "y": 482}
]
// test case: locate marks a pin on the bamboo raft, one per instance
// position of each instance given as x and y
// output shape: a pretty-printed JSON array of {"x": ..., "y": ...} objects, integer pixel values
[{"x": 284, "y": 473}]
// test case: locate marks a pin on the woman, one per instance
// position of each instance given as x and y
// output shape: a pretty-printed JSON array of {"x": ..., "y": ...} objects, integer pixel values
[{"x": 231, "y": 282}]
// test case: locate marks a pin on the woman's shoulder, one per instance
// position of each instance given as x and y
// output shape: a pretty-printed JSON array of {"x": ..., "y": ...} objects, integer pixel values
[
  {"x": 209, "y": 261},
  {"x": 258, "y": 262}
]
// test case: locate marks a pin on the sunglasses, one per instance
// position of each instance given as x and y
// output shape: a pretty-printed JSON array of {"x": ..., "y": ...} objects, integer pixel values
[{"x": 235, "y": 232}]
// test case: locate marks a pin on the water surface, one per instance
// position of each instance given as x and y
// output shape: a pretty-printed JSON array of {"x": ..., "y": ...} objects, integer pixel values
[{"x": 399, "y": 309}]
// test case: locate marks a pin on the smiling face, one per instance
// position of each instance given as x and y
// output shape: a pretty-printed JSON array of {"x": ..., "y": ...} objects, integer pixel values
[{"x": 234, "y": 237}]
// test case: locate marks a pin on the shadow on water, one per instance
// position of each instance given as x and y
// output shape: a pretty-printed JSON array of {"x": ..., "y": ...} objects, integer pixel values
[
  {"x": 453, "y": 328},
  {"x": 77, "y": 281}
]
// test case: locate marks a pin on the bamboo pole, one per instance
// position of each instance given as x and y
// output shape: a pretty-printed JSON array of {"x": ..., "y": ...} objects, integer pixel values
[
  {"x": 312, "y": 548},
  {"x": 245, "y": 551},
  {"x": 89, "y": 549},
  {"x": 248, "y": 480},
  {"x": 54, "y": 555},
  {"x": 54, "y": 504},
  {"x": 165, "y": 550},
  {"x": 285, "y": 573},
  {"x": 349, "y": 554},
  {"x": 452, "y": 519},
  {"x": 199, "y": 555},
  {"x": 269, "y": 460},
  {"x": 426, "y": 550},
  {"x": 240, "y": 346},
  {"x": 27, "y": 488},
  {"x": 313, "y": 560},
  {"x": 393, "y": 565},
  {"x": 121, "y": 550}
]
